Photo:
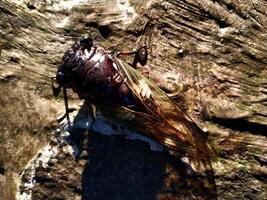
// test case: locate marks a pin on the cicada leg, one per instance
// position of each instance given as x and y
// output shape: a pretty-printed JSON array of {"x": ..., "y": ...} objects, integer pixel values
[{"x": 140, "y": 55}]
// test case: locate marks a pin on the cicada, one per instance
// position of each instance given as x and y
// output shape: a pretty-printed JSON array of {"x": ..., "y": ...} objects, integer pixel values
[{"x": 123, "y": 93}]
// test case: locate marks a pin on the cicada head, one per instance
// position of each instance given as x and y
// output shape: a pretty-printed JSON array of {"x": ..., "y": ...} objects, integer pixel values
[
  {"x": 86, "y": 42},
  {"x": 73, "y": 59}
]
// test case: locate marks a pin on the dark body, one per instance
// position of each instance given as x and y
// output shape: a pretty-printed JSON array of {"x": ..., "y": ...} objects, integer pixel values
[
  {"x": 125, "y": 95},
  {"x": 94, "y": 75}
]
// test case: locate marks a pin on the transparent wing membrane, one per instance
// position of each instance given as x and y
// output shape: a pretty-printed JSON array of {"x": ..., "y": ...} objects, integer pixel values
[{"x": 160, "y": 118}]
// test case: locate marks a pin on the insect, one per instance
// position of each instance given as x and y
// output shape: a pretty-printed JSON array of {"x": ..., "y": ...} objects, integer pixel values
[{"x": 122, "y": 93}]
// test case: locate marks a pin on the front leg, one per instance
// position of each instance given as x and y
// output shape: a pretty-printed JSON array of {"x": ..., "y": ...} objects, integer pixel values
[{"x": 141, "y": 55}]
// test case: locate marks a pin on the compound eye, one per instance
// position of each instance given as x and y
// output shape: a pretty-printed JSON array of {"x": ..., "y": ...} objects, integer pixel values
[
  {"x": 86, "y": 42},
  {"x": 60, "y": 78}
]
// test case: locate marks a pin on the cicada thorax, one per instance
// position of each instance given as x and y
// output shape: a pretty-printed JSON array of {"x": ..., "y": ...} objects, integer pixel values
[{"x": 94, "y": 76}]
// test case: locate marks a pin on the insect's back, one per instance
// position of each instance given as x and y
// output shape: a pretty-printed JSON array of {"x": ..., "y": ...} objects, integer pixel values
[{"x": 93, "y": 75}]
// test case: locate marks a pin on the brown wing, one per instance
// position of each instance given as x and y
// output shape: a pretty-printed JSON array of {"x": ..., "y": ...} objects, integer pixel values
[{"x": 161, "y": 119}]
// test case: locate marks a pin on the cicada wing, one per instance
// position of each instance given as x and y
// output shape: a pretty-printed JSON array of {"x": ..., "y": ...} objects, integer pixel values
[{"x": 162, "y": 119}]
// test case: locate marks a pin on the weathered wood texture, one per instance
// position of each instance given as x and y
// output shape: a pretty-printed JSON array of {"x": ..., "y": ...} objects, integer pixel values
[
  {"x": 224, "y": 53},
  {"x": 212, "y": 54}
]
